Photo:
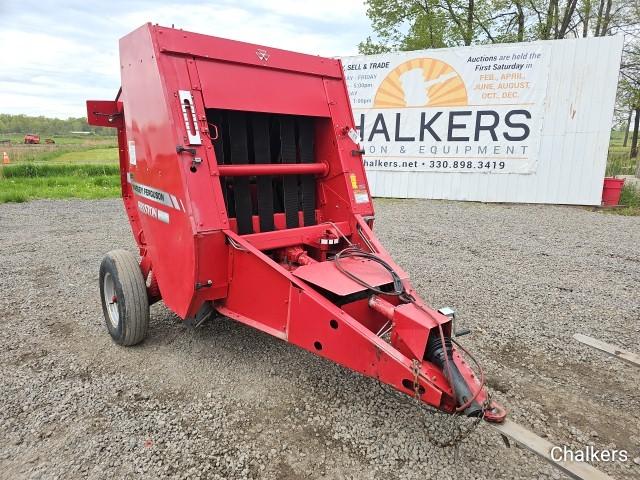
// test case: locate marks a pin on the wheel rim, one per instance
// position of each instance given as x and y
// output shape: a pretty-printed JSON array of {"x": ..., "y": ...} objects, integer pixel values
[{"x": 111, "y": 300}]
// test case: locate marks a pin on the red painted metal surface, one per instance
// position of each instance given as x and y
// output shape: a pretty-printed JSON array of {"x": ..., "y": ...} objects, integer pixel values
[
  {"x": 327, "y": 276},
  {"x": 273, "y": 169},
  {"x": 192, "y": 192}
]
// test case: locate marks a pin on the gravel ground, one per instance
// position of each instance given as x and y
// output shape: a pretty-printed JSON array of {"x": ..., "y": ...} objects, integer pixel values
[{"x": 225, "y": 401}]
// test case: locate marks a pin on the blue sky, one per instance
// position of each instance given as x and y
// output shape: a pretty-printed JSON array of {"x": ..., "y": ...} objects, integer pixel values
[{"x": 55, "y": 55}]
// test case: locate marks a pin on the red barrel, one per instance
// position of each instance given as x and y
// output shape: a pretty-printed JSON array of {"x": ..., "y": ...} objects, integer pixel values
[{"x": 611, "y": 191}]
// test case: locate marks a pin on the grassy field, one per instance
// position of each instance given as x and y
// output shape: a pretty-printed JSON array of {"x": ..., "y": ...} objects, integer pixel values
[
  {"x": 19, "y": 152},
  {"x": 619, "y": 163},
  {"x": 95, "y": 155},
  {"x": 73, "y": 167},
  {"x": 20, "y": 183}
]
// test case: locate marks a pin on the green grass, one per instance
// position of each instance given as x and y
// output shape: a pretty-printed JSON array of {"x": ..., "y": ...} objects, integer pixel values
[
  {"x": 20, "y": 183},
  {"x": 630, "y": 198},
  {"x": 629, "y": 204},
  {"x": 74, "y": 167},
  {"x": 97, "y": 155},
  {"x": 32, "y": 170}
]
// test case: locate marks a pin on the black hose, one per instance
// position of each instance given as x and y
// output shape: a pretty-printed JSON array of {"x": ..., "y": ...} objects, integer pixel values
[{"x": 356, "y": 252}]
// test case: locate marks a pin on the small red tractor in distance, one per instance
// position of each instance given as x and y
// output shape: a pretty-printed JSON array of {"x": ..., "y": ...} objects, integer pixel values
[
  {"x": 32, "y": 138},
  {"x": 247, "y": 196}
]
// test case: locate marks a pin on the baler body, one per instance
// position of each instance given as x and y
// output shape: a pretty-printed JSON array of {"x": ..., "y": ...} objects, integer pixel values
[{"x": 242, "y": 181}]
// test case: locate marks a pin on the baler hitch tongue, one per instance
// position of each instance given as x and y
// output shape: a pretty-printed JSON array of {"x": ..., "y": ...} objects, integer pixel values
[{"x": 419, "y": 332}]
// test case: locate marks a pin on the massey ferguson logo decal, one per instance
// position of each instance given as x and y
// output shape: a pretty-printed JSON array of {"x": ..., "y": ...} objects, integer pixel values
[{"x": 262, "y": 55}]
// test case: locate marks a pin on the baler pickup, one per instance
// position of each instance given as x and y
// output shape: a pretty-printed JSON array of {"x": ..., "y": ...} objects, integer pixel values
[{"x": 247, "y": 196}]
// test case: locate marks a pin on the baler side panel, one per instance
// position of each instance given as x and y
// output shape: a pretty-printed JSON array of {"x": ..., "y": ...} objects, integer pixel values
[
  {"x": 205, "y": 199},
  {"x": 156, "y": 175},
  {"x": 366, "y": 210},
  {"x": 218, "y": 215},
  {"x": 202, "y": 195}
]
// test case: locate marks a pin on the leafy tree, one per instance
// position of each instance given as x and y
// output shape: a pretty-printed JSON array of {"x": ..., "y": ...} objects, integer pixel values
[
  {"x": 417, "y": 24},
  {"x": 48, "y": 126}
]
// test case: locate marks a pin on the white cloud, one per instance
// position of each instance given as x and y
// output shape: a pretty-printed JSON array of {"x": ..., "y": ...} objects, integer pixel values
[{"x": 61, "y": 53}]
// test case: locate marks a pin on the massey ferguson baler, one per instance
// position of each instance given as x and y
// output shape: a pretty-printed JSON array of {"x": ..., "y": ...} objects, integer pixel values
[{"x": 247, "y": 196}]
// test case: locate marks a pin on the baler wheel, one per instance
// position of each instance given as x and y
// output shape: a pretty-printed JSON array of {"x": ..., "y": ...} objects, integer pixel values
[{"x": 124, "y": 298}]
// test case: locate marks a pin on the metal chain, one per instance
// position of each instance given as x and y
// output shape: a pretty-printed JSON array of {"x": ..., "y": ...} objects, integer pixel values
[
  {"x": 454, "y": 433},
  {"x": 453, "y": 440},
  {"x": 450, "y": 439}
]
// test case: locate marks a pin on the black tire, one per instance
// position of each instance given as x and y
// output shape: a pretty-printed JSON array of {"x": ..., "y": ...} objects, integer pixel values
[{"x": 126, "y": 312}]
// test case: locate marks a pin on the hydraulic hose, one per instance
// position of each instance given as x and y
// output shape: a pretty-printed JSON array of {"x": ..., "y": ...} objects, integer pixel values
[{"x": 440, "y": 353}]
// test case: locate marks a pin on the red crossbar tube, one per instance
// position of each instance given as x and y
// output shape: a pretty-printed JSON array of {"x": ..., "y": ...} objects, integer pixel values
[{"x": 273, "y": 169}]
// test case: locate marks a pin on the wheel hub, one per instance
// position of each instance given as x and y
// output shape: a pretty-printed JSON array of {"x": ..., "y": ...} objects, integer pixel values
[{"x": 111, "y": 300}]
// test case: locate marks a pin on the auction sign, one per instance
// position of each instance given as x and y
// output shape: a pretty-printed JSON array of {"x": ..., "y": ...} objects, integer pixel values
[{"x": 468, "y": 109}]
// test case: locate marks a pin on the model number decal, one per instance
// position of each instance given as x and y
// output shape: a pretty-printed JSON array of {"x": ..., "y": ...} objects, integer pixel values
[{"x": 153, "y": 212}]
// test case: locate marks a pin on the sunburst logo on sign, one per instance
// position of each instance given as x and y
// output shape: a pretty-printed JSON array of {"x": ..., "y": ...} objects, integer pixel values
[{"x": 421, "y": 82}]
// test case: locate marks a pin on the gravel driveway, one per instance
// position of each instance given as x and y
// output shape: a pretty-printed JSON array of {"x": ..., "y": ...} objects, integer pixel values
[{"x": 225, "y": 401}]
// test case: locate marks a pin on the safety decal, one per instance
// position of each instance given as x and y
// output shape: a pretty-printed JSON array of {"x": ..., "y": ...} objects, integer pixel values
[
  {"x": 359, "y": 191},
  {"x": 132, "y": 152},
  {"x": 361, "y": 196}
]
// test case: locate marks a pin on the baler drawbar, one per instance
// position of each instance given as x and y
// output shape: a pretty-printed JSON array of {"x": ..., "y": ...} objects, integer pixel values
[{"x": 247, "y": 196}]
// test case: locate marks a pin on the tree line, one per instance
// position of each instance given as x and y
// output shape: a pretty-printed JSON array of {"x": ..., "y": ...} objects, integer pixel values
[
  {"x": 45, "y": 126},
  {"x": 421, "y": 24}
]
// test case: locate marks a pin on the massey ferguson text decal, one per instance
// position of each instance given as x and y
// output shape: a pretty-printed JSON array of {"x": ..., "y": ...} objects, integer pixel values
[{"x": 151, "y": 193}]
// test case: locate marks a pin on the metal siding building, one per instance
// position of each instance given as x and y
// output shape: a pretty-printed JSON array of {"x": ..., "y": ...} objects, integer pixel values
[{"x": 578, "y": 111}]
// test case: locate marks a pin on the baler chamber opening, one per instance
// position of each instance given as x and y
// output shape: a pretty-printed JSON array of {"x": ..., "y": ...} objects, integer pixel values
[{"x": 258, "y": 155}]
